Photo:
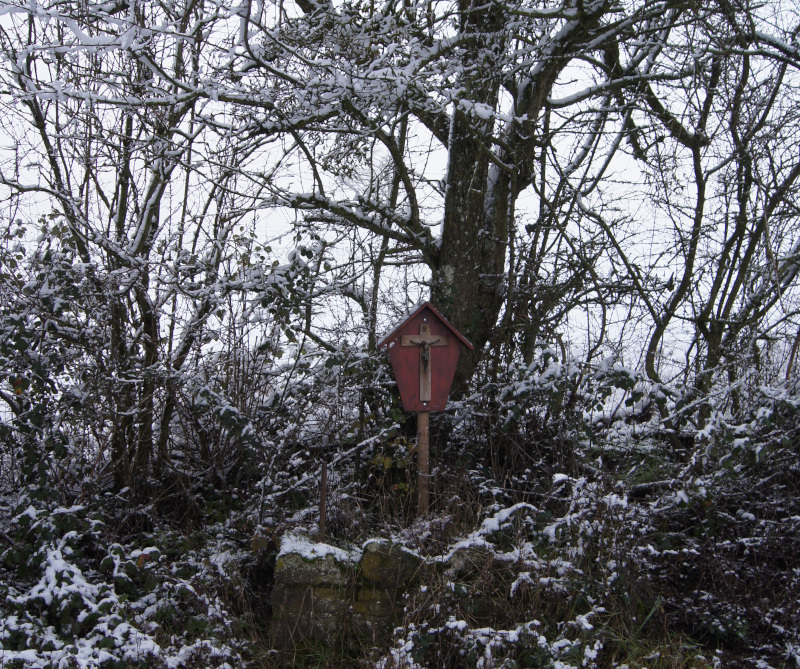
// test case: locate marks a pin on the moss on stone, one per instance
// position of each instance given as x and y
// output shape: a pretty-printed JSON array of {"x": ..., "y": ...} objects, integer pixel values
[
  {"x": 296, "y": 569},
  {"x": 389, "y": 565},
  {"x": 372, "y": 601}
]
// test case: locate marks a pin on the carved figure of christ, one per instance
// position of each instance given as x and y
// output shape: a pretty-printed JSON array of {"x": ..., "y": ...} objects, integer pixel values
[{"x": 425, "y": 340}]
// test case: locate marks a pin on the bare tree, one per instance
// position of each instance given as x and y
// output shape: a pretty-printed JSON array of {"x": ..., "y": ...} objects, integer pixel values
[{"x": 496, "y": 157}]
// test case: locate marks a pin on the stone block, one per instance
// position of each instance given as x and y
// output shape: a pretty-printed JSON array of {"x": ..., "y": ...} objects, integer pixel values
[
  {"x": 388, "y": 565},
  {"x": 296, "y": 569},
  {"x": 304, "y": 600},
  {"x": 372, "y": 601},
  {"x": 286, "y": 633},
  {"x": 300, "y": 613},
  {"x": 371, "y": 630},
  {"x": 469, "y": 561}
]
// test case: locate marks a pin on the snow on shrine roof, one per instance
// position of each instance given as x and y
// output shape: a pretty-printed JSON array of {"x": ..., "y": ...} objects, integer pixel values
[{"x": 413, "y": 312}]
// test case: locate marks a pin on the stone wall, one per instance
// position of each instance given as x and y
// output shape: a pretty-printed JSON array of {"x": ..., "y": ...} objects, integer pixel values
[{"x": 331, "y": 597}]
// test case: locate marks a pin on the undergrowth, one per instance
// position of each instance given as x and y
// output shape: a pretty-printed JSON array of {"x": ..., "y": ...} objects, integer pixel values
[{"x": 559, "y": 547}]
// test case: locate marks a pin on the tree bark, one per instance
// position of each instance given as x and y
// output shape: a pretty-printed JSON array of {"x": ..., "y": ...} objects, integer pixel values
[{"x": 469, "y": 276}]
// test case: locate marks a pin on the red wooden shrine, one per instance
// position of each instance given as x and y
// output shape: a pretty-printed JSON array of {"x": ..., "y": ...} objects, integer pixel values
[{"x": 424, "y": 350}]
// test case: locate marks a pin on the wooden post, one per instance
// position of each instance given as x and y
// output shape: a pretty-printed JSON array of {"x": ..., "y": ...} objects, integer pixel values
[
  {"x": 323, "y": 501},
  {"x": 423, "y": 464}
]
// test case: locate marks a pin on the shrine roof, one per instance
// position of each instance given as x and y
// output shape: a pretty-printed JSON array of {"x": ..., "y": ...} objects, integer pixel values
[{"x": 414, "y": 311}]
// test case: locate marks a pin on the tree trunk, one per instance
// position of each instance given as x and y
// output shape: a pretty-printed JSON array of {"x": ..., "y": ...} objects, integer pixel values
[{"x": 468, "y": 279}]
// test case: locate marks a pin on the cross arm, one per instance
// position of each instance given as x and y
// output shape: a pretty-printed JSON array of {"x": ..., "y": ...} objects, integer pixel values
[{"x": 423, "y": 339}]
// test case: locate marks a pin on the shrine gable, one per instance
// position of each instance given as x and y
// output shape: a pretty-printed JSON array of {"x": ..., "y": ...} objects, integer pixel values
[{"x": 424, "y": 350}]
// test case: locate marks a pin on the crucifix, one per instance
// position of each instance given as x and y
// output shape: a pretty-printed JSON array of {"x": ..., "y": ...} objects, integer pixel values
[{"x": 424, "y": 340}]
